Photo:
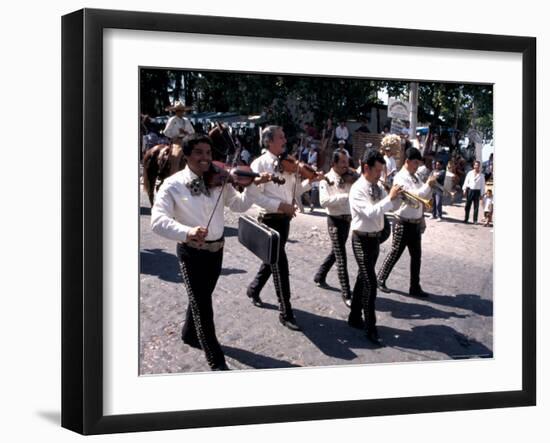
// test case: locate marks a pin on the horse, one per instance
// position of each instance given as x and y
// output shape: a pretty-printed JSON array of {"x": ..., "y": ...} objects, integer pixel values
[{"x": 161, "y": 161}]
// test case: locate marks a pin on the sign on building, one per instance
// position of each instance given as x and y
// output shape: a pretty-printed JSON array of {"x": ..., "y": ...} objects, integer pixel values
[{"x": 399, "y": 109}]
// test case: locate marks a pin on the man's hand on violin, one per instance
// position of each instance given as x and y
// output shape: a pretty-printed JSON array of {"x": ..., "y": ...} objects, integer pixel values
[
  {"x": 287, "y": 209},
  {"x": 197, "y": 235},
  {"x": 263, "y": 178}
]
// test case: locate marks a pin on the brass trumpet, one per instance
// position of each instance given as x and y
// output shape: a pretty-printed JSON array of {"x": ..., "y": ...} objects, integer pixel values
[{"x": 408, "y": 198}]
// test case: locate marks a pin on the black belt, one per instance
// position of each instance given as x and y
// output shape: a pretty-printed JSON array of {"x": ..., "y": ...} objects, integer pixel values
[
  {"x": 368, "y": 234},
  {"x": 272, "y": 216},
  {"x": 344, "y": 217},
  {"x": 414, "y": 221}
]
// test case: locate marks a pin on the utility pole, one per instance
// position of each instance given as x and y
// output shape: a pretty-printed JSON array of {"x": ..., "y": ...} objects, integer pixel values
[{"x": 413, "y": 100}]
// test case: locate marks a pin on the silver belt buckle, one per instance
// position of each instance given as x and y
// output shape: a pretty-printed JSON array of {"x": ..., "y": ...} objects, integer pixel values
[{"x": 210, "y": 247}]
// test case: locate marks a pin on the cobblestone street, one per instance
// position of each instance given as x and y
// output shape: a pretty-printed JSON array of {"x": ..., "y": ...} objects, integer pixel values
[{"x": 455, "y": 321}]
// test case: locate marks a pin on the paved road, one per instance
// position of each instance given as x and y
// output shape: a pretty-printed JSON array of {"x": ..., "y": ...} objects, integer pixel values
[{"x": 455, "y": 321}]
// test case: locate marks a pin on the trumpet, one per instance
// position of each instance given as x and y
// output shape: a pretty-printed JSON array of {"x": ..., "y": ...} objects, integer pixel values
[{"x": 408, "y": 198}]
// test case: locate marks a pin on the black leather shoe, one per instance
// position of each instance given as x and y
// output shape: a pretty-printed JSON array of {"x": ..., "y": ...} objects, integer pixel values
[
  {"x": 221, "y": 367},
  {"x": 347, "y": 301},
  {"x": 382, "y": 286},
  {"x": 290, "y": 324},
  {"x": 417, "y": 292},
  {"x": 372, "y": 336},
  {"x": 321, "y": 283},
  {"x": 255, "y": 298},
  {"x": 356, "y": 322},
  {"x": 257, "y": 301}
]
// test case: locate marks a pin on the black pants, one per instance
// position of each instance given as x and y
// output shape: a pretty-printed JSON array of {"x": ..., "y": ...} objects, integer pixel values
[
  {"x": 200, "y": 271},
  {"x": 366, "y": 251},
  {"x": 473, "y": 196},
  {"x": 280, "y": 272},
  {"x": 338, "y": 230},
  {"x": 408, "y": 235}
]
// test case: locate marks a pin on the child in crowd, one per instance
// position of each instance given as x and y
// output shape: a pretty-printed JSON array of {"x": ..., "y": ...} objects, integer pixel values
[{"x": 488, "y": 207}]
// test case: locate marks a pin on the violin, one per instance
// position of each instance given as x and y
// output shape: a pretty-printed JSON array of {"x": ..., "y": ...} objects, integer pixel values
[
  {"x": 242, "y": 175},
  {"x": 290, "y": 164},
  {"x": 350, "y": 176}
]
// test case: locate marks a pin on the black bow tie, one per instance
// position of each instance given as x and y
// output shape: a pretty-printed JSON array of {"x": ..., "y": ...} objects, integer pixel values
[{"x": 197, "y": 187}]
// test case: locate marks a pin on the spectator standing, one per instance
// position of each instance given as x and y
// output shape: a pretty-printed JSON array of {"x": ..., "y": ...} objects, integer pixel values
[
  {"x": 474, "y": 186},
  {"x": 488, "y": 208}
]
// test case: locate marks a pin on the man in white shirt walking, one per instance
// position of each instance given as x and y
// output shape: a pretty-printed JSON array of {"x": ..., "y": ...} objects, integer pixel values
[
  {"x": 335, "y": 198},
  {"x": 276, "y": 213},
  {"x": 474, "y": 187},
  {"x": 182, "y": 211},
  {"x": 407, "y": 226},
  {"x": 368, "y": 203}
]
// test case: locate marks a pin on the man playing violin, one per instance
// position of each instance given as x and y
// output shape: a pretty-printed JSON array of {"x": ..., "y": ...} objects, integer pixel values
[
  {"x": 368, "y": 202},
  {"x": 335, "y": 199},
  {"x": 407, "y": 226},
  {"x": 277, "y": 214},
  {"x": 186, "y": 210}
]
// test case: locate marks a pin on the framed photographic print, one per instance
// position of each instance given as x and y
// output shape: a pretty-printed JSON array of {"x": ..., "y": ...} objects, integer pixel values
[{"x": 150, "y": 268}]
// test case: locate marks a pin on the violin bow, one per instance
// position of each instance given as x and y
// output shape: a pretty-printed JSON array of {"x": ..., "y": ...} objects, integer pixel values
[
  {"x": 297, "y": 173},
  {"x": 227, "y": 136}
]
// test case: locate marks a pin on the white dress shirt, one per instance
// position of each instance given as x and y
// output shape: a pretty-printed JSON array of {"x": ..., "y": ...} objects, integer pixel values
[
  {"x": 173, "y": 126},
  {"x": 175, "y": 211},
  {"x": 474, "y": 181},
  {"x": 342, "y": 133},
  {"x": 334, "y": 198},
  {"x": 414, "y": 185},
  {"x": 367, "y": 214},
  {"x": 276, "y": 194}
]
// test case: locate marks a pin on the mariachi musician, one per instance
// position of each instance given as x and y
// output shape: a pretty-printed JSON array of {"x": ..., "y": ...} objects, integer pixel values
[
  {"x": 368, "y": 203},
  {"x": 409, "y": 219},
  {"x": 183, "y": 212},
  {"x": 276, "y": 213},
  {"x": 335, "y": 198}
]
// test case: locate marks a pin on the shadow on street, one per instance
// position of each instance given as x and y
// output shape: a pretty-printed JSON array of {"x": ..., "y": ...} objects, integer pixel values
[
  {"x": 157, "y": 262},
  {"x": 166, "y": 267},
  {"x": 335, "y": 338},
  {"x": 439, "y": 338},
  {"x": 412, "y": 311},
  {"x": 471, "y": 302},
  {"x": 255, "y": 361}
]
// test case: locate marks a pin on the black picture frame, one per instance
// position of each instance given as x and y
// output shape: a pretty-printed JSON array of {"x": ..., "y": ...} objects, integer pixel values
[{"x": 82, "y": 218}]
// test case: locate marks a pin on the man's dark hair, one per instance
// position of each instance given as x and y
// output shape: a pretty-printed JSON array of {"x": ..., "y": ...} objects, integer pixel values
[
  {"x": 372, "y": 156},
  {"x": 193, "y": 141},
  {"x": 413, "y": 154},
  {"x": 336, "y": 156}
]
